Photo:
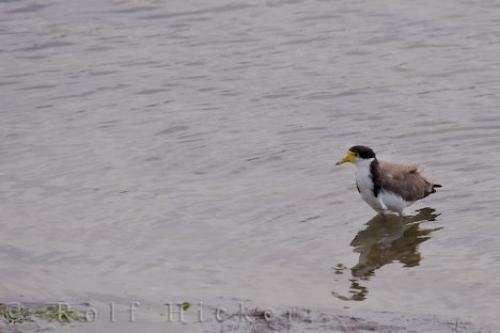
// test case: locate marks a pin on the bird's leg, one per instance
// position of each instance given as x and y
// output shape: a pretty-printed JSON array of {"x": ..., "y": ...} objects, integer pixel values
[{"x": 383, "y": 207}]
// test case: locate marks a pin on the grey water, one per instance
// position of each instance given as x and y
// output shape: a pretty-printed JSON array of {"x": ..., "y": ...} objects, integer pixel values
[{"x": 156, "y": 150}]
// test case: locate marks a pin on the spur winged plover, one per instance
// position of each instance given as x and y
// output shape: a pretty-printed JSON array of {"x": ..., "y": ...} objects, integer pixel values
[{"x": 387, "y": 186}]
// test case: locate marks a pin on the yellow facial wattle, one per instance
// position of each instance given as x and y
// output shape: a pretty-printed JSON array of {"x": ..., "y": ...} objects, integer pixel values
[{"x": 349, "y": 157}]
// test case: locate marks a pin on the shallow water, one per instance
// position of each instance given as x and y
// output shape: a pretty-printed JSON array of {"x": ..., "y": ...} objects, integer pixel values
[{"x": 185, "y": 149}]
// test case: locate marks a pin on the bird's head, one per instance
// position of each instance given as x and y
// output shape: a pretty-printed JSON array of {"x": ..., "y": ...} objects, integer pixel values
[{"x": 357, "y": 153}]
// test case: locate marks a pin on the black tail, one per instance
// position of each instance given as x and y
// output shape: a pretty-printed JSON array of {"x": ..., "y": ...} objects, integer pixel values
[{"x": 435, "y": 186}]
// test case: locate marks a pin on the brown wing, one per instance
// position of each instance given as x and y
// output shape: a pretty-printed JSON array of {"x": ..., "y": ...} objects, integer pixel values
[{"x": 404, "y": 180}]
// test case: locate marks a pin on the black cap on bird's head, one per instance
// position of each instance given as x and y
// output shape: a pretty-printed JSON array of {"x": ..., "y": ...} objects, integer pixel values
[
  {"x": 363, "y": 151},
  {"x": 357, "y": 152}
]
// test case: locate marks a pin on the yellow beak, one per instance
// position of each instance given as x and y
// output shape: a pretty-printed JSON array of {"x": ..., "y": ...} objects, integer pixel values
[{"x": 349, "y": 157}]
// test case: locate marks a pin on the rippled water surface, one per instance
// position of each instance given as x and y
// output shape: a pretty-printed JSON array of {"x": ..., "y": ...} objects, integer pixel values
[{"x": 162, "y": 149}]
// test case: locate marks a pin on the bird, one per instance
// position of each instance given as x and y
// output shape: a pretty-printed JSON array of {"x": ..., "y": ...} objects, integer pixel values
[{"x": 387, "y": 187}]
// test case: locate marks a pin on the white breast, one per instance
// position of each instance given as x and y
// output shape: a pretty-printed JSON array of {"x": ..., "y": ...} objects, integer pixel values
[{"x": 365, "y": 184}]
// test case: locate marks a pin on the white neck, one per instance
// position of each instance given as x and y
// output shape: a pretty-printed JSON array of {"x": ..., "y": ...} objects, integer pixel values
[{"x": 363, "y": 163}]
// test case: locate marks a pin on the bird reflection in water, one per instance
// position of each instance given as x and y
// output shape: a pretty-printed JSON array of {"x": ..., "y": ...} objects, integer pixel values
[{"x": 386, "y": 239}]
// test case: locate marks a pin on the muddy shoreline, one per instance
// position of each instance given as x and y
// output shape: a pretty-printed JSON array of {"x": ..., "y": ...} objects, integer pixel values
[{"x": 220, "y": 316}]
